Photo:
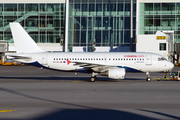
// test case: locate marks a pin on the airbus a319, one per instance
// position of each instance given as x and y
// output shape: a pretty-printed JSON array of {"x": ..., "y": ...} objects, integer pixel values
[{"x": 113, "y": 65}]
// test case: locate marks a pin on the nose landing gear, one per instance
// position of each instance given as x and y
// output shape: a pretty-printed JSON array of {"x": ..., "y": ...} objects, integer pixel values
[{"x": 148, "y": 77}]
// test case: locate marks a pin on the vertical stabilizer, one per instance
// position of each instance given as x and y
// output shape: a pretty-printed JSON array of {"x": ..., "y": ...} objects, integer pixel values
[{"x": 23, "y": 42}]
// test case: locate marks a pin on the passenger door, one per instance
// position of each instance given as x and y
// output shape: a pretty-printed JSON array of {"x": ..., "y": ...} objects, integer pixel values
[
  {"x": 44, "y": 59},
  {"x": 148, "y": 60}
]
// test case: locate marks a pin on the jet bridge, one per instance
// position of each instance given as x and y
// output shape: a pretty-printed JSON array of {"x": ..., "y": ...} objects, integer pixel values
[
  {"x": 176, "y": 55},
  {"x": 161, "y": 43}
]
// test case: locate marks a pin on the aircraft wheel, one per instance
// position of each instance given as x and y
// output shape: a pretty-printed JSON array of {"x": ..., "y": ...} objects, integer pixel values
[
  {"x": 93, "y": 79},
  {"x": 148, "y": 79}
]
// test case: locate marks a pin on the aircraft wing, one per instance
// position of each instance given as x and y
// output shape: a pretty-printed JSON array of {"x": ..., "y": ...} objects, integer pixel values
[{"x": 94, "y": 67}]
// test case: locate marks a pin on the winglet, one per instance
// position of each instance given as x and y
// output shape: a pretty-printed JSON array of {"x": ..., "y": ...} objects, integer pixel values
[{"x": 23, "y": 42}]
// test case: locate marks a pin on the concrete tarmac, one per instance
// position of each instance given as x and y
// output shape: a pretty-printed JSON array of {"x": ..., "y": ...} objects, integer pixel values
[{"x": 31, "y": 93}]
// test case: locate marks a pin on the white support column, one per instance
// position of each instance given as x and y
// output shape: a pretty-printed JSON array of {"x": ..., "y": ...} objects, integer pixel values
[
  {"x": 137, "y": 18},
  {"x": 66, "y": 29},
  {"x": 131, "y": 37}
]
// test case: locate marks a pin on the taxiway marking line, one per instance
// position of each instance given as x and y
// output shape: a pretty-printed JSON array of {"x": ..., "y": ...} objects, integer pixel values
[
  {"x": 10, "y": 82},
  {"x": 7, "y": 110},
  {"x": 77, "y": 81}
]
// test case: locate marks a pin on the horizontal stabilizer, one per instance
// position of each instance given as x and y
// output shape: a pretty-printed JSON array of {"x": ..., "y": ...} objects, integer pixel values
[{"x": 23, "y": 42}]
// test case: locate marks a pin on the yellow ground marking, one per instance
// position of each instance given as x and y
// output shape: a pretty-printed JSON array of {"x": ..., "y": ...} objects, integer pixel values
[
  {"x": 77, "y": 81},
  {"x": 7, "y": 110},
  {"x": 10, "y": 82},
  {"x": 162, "y": 79},
  {"x": 8, "y": 107}
]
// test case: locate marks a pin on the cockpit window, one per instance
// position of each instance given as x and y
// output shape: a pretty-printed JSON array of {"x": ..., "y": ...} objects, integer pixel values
[{"x": 162, "y": 59}]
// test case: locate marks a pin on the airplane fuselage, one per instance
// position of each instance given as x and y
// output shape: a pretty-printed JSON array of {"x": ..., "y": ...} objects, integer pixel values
[{"x": 132, "y": 62}]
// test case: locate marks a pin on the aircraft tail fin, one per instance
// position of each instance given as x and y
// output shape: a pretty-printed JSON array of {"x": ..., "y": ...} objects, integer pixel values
[{"x": 23, "y": 42}]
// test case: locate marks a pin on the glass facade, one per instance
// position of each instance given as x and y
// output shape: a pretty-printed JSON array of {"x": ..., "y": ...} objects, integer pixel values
[
  {"x": 105, "y": 22},
  {"x": 44, "y": 22},
  {"x": 160, "y": 17}
]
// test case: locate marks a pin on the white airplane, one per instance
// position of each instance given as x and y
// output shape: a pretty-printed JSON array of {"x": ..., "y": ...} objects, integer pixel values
[{"x": 114, "y": 65}]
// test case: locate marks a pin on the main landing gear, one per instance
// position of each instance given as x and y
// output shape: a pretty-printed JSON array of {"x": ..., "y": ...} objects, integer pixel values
[
  {"x": 93, "y": 77},
  {"x": 148, "y": 77}
]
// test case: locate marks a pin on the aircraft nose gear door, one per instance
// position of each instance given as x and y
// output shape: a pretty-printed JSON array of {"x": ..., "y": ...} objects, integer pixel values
[
  {"x": 44, "y": 59},
  {"x": 148, "y": 60}
]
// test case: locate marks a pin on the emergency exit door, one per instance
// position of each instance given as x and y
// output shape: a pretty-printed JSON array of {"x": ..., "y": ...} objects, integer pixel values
[{"x": 148, "y": 60}]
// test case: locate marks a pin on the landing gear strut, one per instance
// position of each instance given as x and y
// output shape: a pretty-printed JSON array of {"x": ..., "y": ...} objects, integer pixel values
[
  {"x": 93, "y": 77},
  {"x": 148, "y": 77}
]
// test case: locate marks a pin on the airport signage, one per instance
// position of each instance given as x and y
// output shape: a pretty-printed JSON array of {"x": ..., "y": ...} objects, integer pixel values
[{"x": 161, "y": 37}]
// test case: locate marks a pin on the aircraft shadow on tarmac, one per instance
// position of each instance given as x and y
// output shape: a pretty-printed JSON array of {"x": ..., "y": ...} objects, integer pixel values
[
  {"x": 84, "y": 112},
  {"x": 93, "y": 114},
  {"x": 105, "y": 79}
]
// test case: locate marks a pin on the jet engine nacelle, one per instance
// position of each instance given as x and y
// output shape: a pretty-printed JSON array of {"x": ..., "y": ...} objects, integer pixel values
[
  {"x": 115, "y": 73},
  {"x": 118, "y": 73}
]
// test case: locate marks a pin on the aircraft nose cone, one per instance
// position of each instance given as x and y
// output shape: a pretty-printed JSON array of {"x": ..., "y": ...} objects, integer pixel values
[{"x": 171, "y": 66}]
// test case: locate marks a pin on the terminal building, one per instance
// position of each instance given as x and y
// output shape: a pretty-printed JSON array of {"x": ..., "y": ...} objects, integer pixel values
[
  {"x": 72, "y": 25},
  {"x": 43, "y": 20}
]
